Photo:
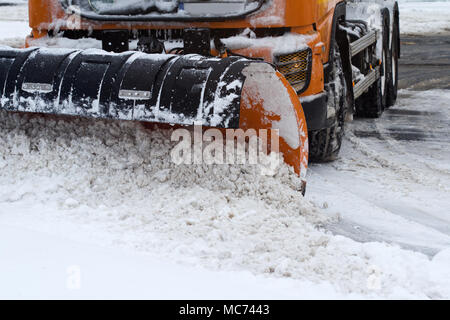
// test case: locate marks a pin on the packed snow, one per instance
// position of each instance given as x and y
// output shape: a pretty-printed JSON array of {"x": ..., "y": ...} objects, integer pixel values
[
  {"x": 13, "y": 13},
  {"x": 96, "y": 209}
]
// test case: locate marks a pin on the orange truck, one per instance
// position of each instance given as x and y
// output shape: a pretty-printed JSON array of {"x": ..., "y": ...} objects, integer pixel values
[{"x": 302, "y": 67}]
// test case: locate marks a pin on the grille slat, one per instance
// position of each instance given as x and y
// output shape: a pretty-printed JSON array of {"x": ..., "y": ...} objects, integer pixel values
[
  {"x": 295, "y": 67},
  {"x": 298, "y": 66}
]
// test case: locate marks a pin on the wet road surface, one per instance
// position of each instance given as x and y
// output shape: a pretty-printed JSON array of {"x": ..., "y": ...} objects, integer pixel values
[{"x": 392, "y": 180}]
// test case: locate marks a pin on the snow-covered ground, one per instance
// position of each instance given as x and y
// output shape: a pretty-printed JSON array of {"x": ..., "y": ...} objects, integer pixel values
[
  {"x": 393, "y": 179},
  {"x": 417, "y": 17},
  {"x": 17, "y": 37},
  {"x": 67, "y": 269},
  {"x": 96, "y": 209},
  {"x": 14, "y": 23}
]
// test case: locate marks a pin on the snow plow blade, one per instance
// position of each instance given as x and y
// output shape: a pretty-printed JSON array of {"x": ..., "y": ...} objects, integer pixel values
[
  {"x": 129, "y": 86},
  {"x": 183, "y": 90}
]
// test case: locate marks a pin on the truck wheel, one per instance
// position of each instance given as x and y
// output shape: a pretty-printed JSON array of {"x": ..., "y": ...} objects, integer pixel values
[
  {"x": 393, "y": 78},
  {"x": 325, "y": 144},
  {"x": 372, "y": 103}
]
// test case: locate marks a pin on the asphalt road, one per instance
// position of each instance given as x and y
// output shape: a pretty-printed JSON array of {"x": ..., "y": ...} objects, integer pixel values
[
  {"x": 424, "y": 65},
  {"x": 425, "y": 62},
  {"x": 395, "y": 170}
]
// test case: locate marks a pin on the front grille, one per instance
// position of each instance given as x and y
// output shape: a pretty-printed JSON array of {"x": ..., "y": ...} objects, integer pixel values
[
  {"x": 296, "y": 67},
  {"x": 297, "y": 56}
]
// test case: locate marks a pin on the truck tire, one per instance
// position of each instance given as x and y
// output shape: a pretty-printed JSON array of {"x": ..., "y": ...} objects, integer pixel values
[
  {"x": 393, "y": 74},
  {"x": 372, "y": 103},
  {"x": 325, "y": 144}
]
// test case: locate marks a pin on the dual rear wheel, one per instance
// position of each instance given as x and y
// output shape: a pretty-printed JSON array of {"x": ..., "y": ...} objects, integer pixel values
[
  {"x": 325, "y": 144},
  {"x": 383, "y": 93}
]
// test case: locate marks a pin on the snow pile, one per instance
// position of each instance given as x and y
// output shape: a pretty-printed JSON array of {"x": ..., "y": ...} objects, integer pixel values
[
  {"x": 112, "y": 183},
  {"x": 424, "y": 17}
]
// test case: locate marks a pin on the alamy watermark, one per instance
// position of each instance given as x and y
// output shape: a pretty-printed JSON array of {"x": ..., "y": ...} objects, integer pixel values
[{"x": 227, "y": 146}]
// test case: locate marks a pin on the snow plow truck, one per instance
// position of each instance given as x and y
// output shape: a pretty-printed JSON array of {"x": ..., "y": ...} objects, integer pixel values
[{"x": 303, "y": 67}]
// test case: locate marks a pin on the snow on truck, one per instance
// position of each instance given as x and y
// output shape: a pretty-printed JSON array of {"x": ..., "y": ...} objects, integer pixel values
[{"x": 302, "y": 67}]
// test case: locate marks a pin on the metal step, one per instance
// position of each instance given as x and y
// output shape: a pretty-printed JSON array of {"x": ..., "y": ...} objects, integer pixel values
[
  {"x": 365, "y": 84},
  {"x": 362, "y": 43}
]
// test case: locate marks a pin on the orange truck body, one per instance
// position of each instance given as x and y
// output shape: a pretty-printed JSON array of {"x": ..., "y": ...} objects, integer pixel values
[{"x": 307, "y": 17}]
